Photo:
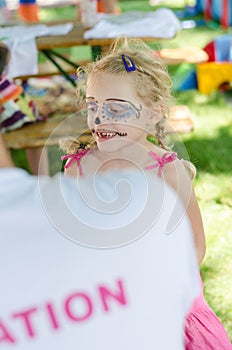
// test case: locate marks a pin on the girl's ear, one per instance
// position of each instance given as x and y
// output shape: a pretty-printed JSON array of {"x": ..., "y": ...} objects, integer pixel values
[{"x": 156, "y": 113}]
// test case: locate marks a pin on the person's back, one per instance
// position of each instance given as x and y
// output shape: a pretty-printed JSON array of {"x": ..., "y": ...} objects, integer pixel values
[{"x": 127, "y": 284}]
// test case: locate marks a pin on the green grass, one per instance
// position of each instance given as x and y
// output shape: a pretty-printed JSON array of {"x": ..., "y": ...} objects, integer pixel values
[{"x": 209, "y": 147}]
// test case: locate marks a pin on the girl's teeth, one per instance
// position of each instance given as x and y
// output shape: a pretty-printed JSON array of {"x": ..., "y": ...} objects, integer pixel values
[{"x": 108, "y": 135}]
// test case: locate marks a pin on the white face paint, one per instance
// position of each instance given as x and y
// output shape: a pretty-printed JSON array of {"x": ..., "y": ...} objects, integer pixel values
[
  {"x": 112, "y": 110},
  {"x": 115, "y": 111}
]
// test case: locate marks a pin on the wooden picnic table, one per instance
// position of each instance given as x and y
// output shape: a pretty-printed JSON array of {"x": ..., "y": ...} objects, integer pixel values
[
  {"x": 45, "y": 133},
  {"x": 37, "y": 135},
  {"x": 76, "y": 37}
]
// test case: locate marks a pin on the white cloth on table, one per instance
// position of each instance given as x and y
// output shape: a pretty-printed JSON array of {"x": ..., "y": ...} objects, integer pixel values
[
  {"x": 161, "y": 23},
  {"x": 22, "y": 44}
]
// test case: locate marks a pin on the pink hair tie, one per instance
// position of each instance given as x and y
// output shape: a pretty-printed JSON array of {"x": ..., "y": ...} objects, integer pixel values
[{"x": 76, "y": 157}]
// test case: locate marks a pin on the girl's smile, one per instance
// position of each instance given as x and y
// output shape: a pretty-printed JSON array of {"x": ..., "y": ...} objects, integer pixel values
[{"x": 104, "y": 134}]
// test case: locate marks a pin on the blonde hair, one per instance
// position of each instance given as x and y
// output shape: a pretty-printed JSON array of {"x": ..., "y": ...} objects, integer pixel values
[{"x": 151, "y": 79}]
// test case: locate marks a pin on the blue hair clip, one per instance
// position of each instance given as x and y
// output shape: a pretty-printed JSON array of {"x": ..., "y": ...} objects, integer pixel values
[{"x": 128, "y": 63}]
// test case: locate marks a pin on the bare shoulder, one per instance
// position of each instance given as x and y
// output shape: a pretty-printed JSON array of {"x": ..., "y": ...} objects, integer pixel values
[
  {"x": 82, "y": 164},
  {"x": 176, "y": 175},
  {"x": 72, "y": 170}
]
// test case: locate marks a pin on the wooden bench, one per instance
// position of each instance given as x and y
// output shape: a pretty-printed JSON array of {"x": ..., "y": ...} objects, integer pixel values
[
  {"x": 48, "y": 133},
  {"x": 48, "y": 69},
  {"x": 192, "y": 55},
  {"x": 45, "y": 133},
  {"x": 176, "y": 56}
]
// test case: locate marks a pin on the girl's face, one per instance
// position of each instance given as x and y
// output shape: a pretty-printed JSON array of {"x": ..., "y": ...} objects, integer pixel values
[{"x": 115, "y": 112}]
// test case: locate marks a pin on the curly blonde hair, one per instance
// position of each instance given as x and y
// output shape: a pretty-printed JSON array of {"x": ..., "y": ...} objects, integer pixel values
[{"x": 151, "y": 79}]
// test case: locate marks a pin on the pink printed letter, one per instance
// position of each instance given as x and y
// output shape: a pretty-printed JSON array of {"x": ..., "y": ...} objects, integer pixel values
[
  {"x": 5, "y": 335},
  {"x": 25, "y": 315},
  {"x": 52, "y": 316},
  {"x": 106, "y": 294},
  {"x": 68, "y": 307}
]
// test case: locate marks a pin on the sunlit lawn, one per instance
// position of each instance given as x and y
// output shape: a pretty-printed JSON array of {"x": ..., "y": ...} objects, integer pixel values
[{"x": 209, "y": 147}]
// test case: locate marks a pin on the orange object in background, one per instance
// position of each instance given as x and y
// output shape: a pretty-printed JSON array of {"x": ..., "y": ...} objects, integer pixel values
[
  {"x": 29, "y": 12},
  {"x": 100, "y": 7},
  {"x": 112, "y": 8}
]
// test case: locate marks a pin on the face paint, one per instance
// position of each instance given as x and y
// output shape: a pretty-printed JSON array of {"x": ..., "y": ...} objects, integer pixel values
[
  {"x": 113, "y": 110},
  {"x": 97, "y": 121}
]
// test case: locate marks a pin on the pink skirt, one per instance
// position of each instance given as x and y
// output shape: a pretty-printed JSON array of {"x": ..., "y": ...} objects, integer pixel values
[{"x": 203, "y": 329}]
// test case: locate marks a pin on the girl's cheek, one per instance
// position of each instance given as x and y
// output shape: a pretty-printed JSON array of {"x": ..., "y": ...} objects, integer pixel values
[{"x": 90, "y": 122}]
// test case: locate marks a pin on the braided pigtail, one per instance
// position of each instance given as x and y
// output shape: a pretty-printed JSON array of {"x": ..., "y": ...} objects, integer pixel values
[
  {"x": 160, "y": 134},
  {"x": 71, "y": 145}
]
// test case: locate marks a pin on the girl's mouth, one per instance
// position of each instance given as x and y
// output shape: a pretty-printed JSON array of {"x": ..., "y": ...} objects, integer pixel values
[{"x": 107, "y": 134}]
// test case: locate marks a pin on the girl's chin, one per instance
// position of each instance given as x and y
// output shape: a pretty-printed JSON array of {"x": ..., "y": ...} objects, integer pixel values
[{"x": 108, "y": 146}]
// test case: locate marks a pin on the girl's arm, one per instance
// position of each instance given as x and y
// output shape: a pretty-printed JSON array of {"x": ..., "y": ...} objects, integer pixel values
[
  {"x": 177, "y": 177},
  {"x": 5, "y": 157},
  {"x": 197, "y": 226}
]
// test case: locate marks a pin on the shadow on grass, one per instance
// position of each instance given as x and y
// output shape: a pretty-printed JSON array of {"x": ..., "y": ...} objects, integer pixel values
[
  {"x": 212, "y": 155},
  {"x": 54, "y": 153},
  {"x": 208, "y": 272},
  {"x": 20, "y": 159}
]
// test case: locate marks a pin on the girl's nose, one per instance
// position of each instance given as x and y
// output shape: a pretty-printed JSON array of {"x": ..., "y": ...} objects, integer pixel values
[
  {"x": 97, "y": 121},
  {"x": 98, "y": 115}
]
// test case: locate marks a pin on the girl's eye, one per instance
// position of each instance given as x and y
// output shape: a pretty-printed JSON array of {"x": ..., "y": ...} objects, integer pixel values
[
  {"x": 92, "y": 107},
  {"x": 117, "y": 109}
]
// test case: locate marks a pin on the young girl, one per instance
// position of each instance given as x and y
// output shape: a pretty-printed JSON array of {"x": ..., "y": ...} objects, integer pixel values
[{"x": 127, "y": 95}]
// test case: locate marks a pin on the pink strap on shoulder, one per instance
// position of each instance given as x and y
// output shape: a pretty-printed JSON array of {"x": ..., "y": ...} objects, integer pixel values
[
  {"x": 167, "y": 157},
  {"x": 76, "y": 157}
]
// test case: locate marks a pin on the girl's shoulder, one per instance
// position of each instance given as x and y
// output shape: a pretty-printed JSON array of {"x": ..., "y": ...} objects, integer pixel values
[
  {"x": 84, "y": 162},
  {"x": 160, "y": 159},
  {"x": 171, "y": 164},
  {"x": 74, "y": 159},
  {"x": 177, "y": 175}
]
